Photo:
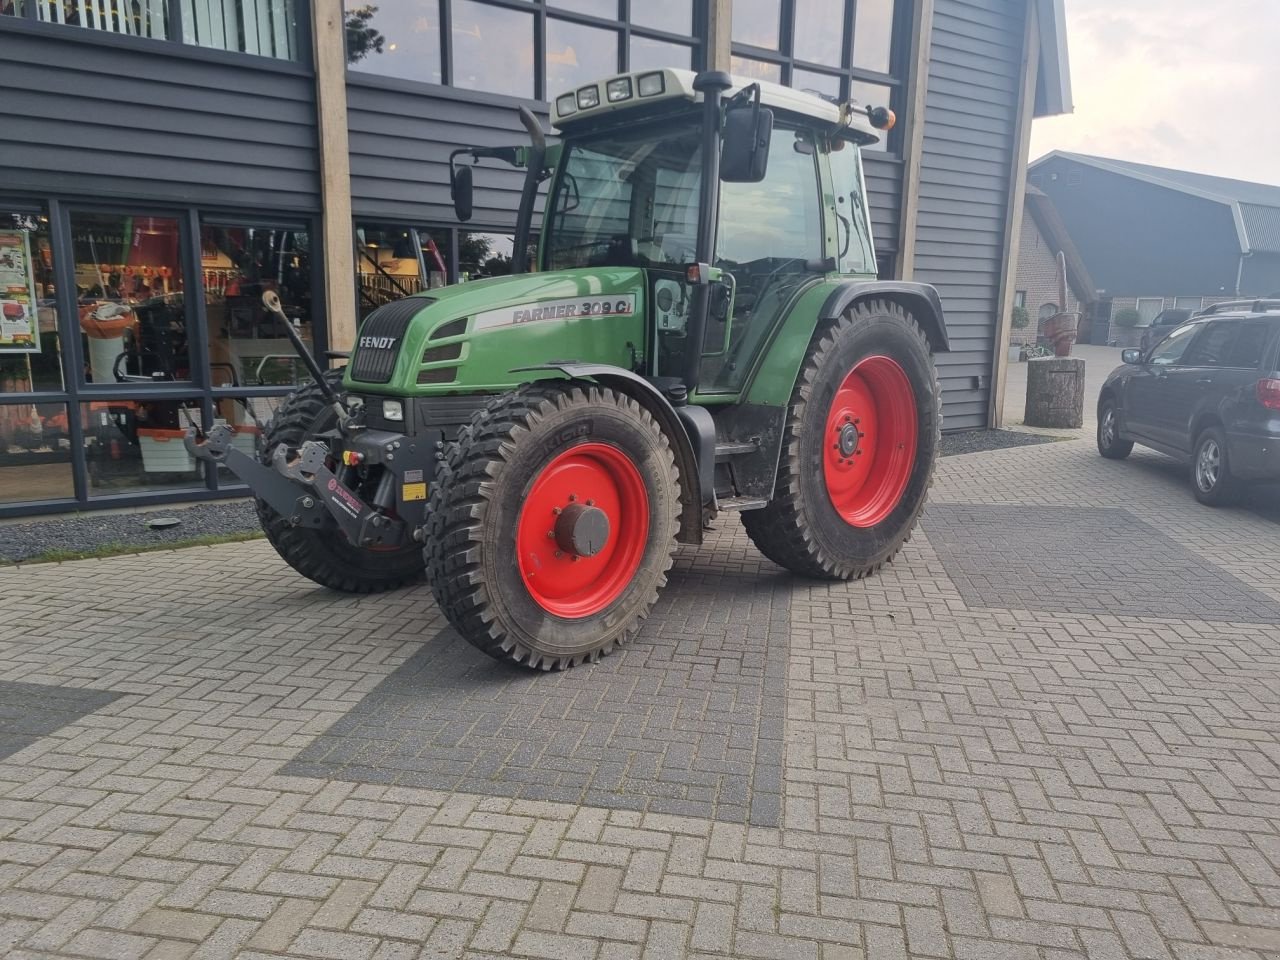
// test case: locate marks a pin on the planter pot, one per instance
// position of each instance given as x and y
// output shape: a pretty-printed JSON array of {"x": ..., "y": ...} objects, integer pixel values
[
  {"x": 1015, "y": 352},
  {"x": 1061, "y": 331}
]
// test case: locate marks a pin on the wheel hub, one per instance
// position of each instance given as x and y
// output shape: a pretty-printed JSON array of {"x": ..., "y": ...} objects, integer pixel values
[
  {"x": 849, "y": 437},
  {"x": 582, "y": 530}
]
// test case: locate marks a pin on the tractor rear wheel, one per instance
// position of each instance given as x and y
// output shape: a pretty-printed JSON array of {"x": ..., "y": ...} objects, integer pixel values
[
  {"x": 324, "y": 554},
  {"x": 552, "y": 524},
  {"x": 859, "y": 448}
]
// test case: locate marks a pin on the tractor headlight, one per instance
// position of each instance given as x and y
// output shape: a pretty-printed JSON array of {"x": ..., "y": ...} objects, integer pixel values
[
  {"x": 588, "y": 97},
  {"x": 618, "y": 90},
  {"x": 651, "y": 84},
  {"x": 393, "y": 410},
  {"x": 566, "y": 105}
]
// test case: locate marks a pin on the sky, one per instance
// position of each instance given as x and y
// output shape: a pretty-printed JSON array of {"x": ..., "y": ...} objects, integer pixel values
[{"x": 1176, "y": 83}]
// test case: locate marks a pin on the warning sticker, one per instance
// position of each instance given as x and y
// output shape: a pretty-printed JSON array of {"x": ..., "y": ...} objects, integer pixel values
[
  {"x": 617, "y": 306},
  {"x": 410, "y": 492}
]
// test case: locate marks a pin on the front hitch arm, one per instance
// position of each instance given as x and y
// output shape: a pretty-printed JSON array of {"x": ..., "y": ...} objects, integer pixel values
[{"x": 300, "y": 487}]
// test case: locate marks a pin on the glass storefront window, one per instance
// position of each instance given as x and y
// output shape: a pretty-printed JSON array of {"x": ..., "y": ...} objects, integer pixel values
[
  {"x": 248, "y": 418},
  {"x": 30, "y": 351},
  {"x": 11, "y": 8},
  {"x": 757, "y": 22},
  {"x": 670, "y": 16},
  {"x": 876, "y": 95},
  {"x": 128, "y": 274},
  {"x": 137, "y": 19},
  {"x": 492, "y": 49},
  {"x": 245, "y": 26},
  {"x": 577, "y": 54},
  {"x": 756, "y": 69},
  {"x": 818, "y": 31},
  {"x": 648, "y": 54},
  {"x": 387, "y": 265},
  {"x": 134, "y": 445},
  {"x": 482, "y": 255},
  {"x": 395, "y": 38},
  {"x": 823, "y": 84},
  {"x": 35, "y": 453},
  {"x": 873, "y": 34},
  {"x": 238, "y": 265}
]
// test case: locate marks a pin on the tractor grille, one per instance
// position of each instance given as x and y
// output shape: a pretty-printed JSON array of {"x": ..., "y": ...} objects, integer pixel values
[{"x": 387, "y": 324}]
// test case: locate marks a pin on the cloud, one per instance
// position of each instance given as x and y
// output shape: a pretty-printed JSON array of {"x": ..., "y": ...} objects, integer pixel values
[{"x": 1176, "y": 83}]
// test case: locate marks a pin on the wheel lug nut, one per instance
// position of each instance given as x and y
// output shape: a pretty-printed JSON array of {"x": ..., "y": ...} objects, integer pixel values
[
  {"x": 557, "y": 511},
  {"x": 551, "y": 534},
  {"x": 573, "y": 497},
  {"x": 559, "y": 554},
  {"x": 591, "y": 503},
  {"x": 848, "y": 419}
]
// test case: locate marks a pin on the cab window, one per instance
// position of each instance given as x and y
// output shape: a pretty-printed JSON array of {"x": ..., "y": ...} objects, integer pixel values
[{"x": 854, "y": 252}]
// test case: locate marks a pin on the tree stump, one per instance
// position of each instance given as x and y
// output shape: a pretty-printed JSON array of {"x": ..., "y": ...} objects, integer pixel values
[{"x": 1055, "y": 392}]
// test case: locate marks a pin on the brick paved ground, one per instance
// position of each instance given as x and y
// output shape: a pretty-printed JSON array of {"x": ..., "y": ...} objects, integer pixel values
[{"x": 963, "y": 757}]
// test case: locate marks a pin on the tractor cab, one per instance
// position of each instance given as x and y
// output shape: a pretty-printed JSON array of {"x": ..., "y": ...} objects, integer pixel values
[{"x": 723, "y": 232}]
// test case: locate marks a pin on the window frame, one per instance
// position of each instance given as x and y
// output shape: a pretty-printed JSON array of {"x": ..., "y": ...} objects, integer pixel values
[
  {"x": 304, "y": 64},
  {"x": 848, "y": 74},
  {"x": 543, "y": 10}
]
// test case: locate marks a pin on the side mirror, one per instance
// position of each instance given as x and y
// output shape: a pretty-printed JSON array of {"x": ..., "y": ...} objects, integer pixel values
[
  {"x": 744, "y": 149},
  {"x": 463, "y": 193},
  {"x": 1132, "y": 355}
]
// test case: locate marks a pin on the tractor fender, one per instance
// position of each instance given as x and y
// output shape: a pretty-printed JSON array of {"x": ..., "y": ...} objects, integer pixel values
[
  {"x": 690, "y": 429},
  {"x": 920, "y": 299}
]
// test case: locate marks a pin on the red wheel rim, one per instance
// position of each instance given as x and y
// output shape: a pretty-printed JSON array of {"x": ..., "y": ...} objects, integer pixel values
[
  {"x": 601, "y": 478},
  {"x": 869, "y": 446}
]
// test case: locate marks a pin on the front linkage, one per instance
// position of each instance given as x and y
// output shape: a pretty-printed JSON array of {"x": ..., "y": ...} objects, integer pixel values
[{"x": 300, "y": 486}]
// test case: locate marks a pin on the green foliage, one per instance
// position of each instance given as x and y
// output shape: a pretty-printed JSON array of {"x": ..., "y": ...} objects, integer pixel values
[
  {"x": 1021, "y": 319},
  {"x": 1128, "y": 317},
  {"x": 125, "y": 549}
]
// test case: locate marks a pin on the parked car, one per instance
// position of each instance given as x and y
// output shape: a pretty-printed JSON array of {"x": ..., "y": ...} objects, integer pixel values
[
  {"x": 1207, "y": 394},
  {"x": 1165, "y": 321},
  {"x": 1238, "y": 306}
]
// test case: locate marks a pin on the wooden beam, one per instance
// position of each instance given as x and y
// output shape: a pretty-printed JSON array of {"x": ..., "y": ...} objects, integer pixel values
[
  {"x": 719, "y": 34},
  {"x": 335, "y": 172},
  {"x": 914, "y": 103},
  {"x": 1013, "y": 222}
]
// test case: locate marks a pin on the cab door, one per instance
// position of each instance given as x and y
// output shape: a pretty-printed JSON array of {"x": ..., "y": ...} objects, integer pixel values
[{"x": 770, "y": 245}]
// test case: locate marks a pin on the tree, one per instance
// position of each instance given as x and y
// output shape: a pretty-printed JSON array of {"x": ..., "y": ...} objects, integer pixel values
[
  {"x": 1128, "y": 317},
  {"x": 362, "y": 38}
]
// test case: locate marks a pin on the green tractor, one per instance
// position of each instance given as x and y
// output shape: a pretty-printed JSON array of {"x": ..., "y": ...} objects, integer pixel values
[{"x": 700, "y": 331}]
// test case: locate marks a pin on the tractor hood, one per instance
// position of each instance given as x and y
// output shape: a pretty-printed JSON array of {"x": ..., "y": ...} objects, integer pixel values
[{"x": 469, "y": 337}]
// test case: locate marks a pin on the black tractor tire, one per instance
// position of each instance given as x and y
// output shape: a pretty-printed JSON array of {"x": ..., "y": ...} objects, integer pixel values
[
  {"x": 1211, "y": 479},
  {"x": 1110, "y": 444},
  {"x": 324, "y": 554},
  {"x": 801, "y": 529},
  {"x": 476, "y": 517}
]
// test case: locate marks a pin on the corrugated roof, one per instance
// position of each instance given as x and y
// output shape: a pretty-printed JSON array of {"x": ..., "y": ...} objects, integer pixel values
[{"x": 1256, "y": 206}]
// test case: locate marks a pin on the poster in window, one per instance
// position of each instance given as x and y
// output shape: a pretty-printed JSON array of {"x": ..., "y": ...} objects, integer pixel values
[{"x": 19, "y": 326}]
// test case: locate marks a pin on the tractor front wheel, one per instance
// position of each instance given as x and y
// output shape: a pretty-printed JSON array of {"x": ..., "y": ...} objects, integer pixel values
[
  {"x": 858, "y": 453},
  {"x": 552, "y": 524},
  {"x": 325, "y": 555}
]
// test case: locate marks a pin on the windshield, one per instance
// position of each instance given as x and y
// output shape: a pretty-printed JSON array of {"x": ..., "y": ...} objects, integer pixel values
[{"x": 627, "y": 199}]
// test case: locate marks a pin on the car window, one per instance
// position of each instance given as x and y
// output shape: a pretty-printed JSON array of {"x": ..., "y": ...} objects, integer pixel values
[
  {"x": 1210, "y": 349},
  {"x": 1250, "y": 343},
  {"x": 1170, "y": 350}
]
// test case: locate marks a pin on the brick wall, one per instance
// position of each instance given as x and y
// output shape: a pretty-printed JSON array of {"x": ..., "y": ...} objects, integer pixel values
[{"x": 1038, "y": 278}]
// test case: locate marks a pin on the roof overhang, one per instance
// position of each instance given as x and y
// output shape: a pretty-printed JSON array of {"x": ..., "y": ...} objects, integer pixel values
[{"x": 1053, "y": 87}]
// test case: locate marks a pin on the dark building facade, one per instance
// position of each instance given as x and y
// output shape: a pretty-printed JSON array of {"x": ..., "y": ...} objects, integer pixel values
[
  {"x": 163, "y": 163},
  {"x": 1156, "y": 239}
]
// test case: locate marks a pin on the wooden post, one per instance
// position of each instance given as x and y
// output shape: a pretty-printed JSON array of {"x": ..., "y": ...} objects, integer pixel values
[
  {"x": 913, "y": 136},
  {"x": 719, "y": 34},
  {"x": 335, "y": 172},
  {"x": 1013, "y": 222},
  {"x": 1055, "y": 392}
]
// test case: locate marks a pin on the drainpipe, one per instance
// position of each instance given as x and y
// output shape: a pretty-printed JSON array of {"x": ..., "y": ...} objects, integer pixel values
[{"x": 1240, "y": 272}]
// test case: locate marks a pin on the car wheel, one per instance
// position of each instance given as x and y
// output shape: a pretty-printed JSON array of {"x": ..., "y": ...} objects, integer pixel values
[
  {"x": 1110, "y": 445},
  {"x": 1211, "y": 478}
]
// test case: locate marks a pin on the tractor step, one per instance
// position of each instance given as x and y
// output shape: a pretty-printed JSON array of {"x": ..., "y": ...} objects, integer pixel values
[
  {"x": 740, "y": 504},
  {"x": 726, "y": 450}
]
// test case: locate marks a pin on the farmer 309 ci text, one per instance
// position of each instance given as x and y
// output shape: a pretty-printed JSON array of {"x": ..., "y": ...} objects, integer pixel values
[{"x": 700, "y": 331}]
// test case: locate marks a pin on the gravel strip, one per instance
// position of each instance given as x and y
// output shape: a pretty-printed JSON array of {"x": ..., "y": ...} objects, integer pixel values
[
  {"x": 88, "y": 531},
  {"x": 977, "y": 441}
]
